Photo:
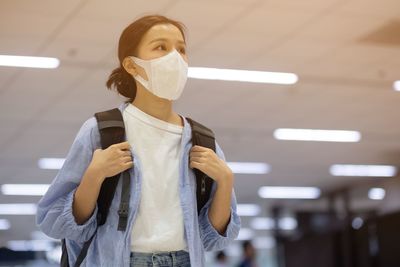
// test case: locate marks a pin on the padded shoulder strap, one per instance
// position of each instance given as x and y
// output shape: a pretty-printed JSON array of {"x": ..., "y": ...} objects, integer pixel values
[
  {"x": 202, "y": 136},
  {"x": 112, "y": 131},
  {"x": 111, "y": 127}
]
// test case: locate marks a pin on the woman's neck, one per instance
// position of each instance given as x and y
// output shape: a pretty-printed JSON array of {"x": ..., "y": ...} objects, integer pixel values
[{"x": 155, "y": 106}]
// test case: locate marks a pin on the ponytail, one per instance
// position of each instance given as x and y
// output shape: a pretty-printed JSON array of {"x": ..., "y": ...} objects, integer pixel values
[{"x": 121, "y": 80}]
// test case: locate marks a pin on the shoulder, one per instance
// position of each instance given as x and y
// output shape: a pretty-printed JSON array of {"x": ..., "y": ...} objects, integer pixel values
[
  {"x": 219, "y": 151},
  {"x": 207, "y": 130},
  {"x": 88, "y": 133},
  {"x": 198, "y": 126}
]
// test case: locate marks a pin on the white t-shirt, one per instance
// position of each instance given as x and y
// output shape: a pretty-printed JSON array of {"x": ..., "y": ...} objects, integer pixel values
[{"x": 159, "y": 222}]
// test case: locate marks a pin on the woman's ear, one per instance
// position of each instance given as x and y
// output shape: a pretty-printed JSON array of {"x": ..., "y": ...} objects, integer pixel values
[{"x": 129, "y": 66}]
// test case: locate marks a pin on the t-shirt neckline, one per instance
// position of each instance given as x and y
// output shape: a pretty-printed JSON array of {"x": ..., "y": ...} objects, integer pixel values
[{"x": 153, "y": 121}]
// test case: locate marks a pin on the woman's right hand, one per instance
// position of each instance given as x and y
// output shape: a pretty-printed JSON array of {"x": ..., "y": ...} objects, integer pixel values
[{"x": 112, "y": 160}]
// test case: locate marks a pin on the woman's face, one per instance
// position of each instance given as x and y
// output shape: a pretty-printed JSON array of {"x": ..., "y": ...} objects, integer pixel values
[{"x": 158, "y": 41}]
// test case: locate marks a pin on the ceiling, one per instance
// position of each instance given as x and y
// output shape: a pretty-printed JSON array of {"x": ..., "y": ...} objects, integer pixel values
[{"x": 346, "y": 54}]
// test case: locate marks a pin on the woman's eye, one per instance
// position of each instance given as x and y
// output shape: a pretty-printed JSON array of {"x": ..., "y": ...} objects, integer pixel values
[
  {"x": 182, "y": 50},
  {"x": 160, "y": 47}
]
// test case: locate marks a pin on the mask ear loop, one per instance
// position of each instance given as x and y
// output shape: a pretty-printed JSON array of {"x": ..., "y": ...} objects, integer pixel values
[{"x": 137, "y": 77}]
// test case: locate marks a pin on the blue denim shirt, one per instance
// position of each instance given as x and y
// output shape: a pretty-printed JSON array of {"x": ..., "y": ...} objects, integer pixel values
[{"x": 111, "y": 247}]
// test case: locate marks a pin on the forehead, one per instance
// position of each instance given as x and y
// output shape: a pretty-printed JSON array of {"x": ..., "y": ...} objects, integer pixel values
[{"x": 164, "y": 31}]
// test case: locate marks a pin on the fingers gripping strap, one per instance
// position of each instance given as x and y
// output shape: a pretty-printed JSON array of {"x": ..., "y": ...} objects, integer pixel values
[{"x": 202, "y": 136}]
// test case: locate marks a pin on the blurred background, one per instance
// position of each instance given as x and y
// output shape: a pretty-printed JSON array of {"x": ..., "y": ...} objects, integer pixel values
[{"x": 315, "y": 148}]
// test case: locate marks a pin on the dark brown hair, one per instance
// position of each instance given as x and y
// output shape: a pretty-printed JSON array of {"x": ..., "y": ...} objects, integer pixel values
[{"x": 129, "y": 40}]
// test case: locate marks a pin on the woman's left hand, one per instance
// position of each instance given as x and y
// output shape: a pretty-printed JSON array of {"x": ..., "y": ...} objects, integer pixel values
[{"x": 207, "y": 161}]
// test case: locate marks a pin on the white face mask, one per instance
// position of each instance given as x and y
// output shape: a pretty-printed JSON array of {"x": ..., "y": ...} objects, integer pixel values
[{"x": 167, "y": 75}]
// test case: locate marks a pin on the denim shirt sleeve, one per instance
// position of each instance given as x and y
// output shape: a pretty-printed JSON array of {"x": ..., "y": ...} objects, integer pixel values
[
  {"x": 211, "y": 238},
  {"x": 54, "y": 211}
]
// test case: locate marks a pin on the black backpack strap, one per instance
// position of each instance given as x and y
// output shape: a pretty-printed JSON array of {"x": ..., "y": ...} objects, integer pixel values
[
  {"x": 112, "y": 131},
  {"x": 205, "y": 137},
  {"x": 82, "y": 254},
  {"x": 84, "y": 250},
  {"x": 124, "y": 203},
  {"x": 64, "y": 254}
]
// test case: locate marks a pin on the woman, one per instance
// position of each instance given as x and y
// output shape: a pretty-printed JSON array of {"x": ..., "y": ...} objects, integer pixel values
[{"x": 163, "y": 227}]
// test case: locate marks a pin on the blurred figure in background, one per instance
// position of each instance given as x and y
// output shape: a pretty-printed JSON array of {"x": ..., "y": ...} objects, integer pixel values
[
  {"x": 249, "y": 255},
  {"x": 221, "y": 259}
]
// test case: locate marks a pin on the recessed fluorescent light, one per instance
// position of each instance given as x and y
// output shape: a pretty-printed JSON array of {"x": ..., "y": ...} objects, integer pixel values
[
  {"x": 4, "y": 224},
  {"x": 317, "y": 135},
  {"x": 242, "y": 75},
  {"x": 266, "y": 223},
  {"x": 376, "y": 193},
  {"x": 266, "y": 242},
  {"x": 396, "y": 85},
  {"x": 54, "y": 255},
  {"x": 30, "y": 245},
  {"x": 232, "y": 250},
  {"x": 262, "y": 223},
  {"x": 248, "y": 209},
  {"x": 17, "y": 209},
  {"x": 357, "y": 223},
  {"x": 237, "y": 167},
  {"x": 245, "y": 234},
  {"x": 363, "y": 170},
  {"x": 249, "y": 167},
  {"x": 39, "y": 235},
  {"x": 287, "y": 223},
  {"x": 51, "y": 163},
  {"x": 24, "y": 189},
  {"x": 29, "y": 62},
  {"x": 289, "y": 192}
]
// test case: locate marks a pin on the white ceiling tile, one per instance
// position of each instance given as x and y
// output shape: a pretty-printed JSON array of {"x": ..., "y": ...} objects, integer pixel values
[
  {"x": 44, "y": 8},
  {"x": 342, "y": 27},
  {"x": 126, "y": 10},
  {"x": 218, "y": 16}
]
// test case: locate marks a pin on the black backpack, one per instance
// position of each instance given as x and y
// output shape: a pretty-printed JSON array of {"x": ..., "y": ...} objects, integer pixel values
[{"x": 112, "y": 131}]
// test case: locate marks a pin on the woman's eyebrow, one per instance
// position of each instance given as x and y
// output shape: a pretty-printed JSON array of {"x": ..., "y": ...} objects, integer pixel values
[{"x": 164, "y": 39}]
